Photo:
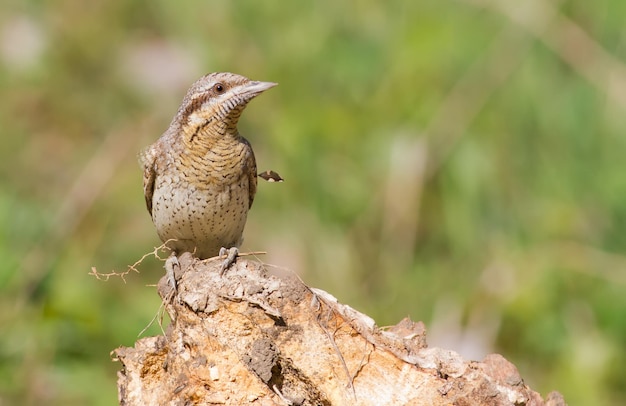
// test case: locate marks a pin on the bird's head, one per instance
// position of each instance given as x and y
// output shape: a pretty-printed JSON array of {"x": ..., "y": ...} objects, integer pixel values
[{"x": 217, "y": 100}]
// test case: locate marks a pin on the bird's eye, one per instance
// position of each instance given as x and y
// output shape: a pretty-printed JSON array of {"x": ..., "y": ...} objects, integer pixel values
[{"x": 218, "y": 88}]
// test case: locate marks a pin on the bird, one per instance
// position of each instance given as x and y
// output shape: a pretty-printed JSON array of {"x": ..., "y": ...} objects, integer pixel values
[{"x": 199, "y": 177}]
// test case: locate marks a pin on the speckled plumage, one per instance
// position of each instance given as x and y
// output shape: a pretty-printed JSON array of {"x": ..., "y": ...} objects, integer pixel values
[{"x": 200, "y": 176}]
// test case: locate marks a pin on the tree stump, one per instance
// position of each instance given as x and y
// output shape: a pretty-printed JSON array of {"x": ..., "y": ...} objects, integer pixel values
[{"x": 258, "y": 335}]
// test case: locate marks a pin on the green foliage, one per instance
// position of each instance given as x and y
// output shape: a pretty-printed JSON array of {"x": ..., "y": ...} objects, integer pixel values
[{"x": 441, "y": 162}]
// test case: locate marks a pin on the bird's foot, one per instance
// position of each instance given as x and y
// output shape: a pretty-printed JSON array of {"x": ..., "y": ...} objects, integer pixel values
[
  {"x": 230, "y": 259},
  {"x": 170, "y": 264}
]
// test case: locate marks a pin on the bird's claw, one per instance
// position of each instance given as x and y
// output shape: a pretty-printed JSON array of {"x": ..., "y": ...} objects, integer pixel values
[
  {"x": 230, "y": 258},
  {"x": 170, "y": 263}
]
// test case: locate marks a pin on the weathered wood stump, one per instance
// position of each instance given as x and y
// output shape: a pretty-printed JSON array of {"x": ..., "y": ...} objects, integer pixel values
[{"x": 258, "y": 335}]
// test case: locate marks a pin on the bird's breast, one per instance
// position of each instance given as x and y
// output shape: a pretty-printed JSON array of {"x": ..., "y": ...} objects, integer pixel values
[{"x": 203, "y": 204}]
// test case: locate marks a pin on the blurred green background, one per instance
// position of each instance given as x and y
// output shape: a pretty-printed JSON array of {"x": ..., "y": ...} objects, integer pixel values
[{"x": 461, "y": 162}]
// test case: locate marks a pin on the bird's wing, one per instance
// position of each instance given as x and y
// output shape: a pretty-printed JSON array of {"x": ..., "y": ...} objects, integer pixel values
[
  {"x": 147, "y": 159},
  {"x": 250, "y": 172}
]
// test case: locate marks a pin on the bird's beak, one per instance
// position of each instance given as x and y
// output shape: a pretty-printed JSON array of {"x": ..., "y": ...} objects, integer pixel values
[{"x": 254, "y": 88}]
